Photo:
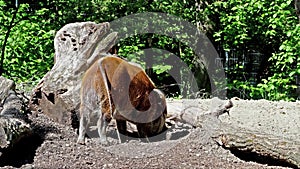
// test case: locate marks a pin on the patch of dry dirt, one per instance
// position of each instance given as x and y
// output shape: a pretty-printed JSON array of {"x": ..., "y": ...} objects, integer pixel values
[{"x": 186, "y": 148}]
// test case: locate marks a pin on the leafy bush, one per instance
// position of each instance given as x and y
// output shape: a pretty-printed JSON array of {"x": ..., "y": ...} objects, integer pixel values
[
  {"x": 268, "y": 27},
  {"x": 29, "y": 49},
  {"x": 286, "y": 67}
]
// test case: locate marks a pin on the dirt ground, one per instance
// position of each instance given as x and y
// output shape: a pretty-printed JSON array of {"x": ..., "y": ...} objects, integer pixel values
[{"x": 54, "y": 145}]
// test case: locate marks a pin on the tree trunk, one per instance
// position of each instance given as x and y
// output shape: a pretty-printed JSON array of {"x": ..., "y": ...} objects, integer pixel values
[
  {"x": 297, "y": 8},
  {"x": 77, "y": 47},
  {"x": 11, "y": 25}
]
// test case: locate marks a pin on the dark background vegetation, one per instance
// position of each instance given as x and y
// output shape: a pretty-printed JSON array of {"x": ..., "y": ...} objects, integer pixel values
[{"x": 258, "y": 41}]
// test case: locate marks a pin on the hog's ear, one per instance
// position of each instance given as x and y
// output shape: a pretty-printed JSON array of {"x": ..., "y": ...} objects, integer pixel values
[
  {"x": 158, "y": 100},
  {"x": 158, "y": 96}
]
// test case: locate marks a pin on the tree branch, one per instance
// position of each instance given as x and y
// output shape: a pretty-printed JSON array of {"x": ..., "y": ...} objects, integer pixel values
[{"x": 11, "y": 25}]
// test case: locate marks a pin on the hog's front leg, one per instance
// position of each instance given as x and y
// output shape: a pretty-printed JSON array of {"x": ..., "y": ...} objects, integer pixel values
[
  {"x": 143, "y": 130},
  {"x": 122, "y": 128}
]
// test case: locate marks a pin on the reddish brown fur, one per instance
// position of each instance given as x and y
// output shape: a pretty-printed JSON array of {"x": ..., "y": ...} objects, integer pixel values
[{"x": 114, "y": 85}]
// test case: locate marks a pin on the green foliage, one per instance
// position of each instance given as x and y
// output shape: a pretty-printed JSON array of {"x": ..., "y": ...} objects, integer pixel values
[
  {"x": 29, "y": 49},
  {"x": 246, "y": 21},
  {"x": 269, "y": 27},
  {"x": 282, "y": 84}
]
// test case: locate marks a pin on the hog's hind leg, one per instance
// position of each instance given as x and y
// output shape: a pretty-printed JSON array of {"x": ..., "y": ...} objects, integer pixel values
[
  {"x": 84, "y": 119},
  {"x": 102, "y": 124}
]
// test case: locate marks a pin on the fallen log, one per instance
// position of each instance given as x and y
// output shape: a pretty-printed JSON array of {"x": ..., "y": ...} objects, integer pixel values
[
  {"x": 5, "y": 86},
  {"x": 13, "y": 120},
  {"x": 261, "y": 144},
  {"x": 12, "y": 130},
  {"x": 236, "y": 131}
]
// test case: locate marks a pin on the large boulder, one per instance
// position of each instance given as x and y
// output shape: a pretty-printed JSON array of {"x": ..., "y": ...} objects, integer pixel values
[{"x": 77, "y": 47}]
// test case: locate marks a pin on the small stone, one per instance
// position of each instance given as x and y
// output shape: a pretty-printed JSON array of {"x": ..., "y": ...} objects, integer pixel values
[{"x": 28, "y": 166}]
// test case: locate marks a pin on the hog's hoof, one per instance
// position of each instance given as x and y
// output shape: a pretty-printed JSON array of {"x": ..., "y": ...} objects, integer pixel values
[
  {"x": 103, "y": 142},
  {"x": 81, "y": 141}
]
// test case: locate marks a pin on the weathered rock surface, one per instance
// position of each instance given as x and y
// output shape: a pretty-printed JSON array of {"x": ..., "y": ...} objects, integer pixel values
[{"x": 77, "y": 46}]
